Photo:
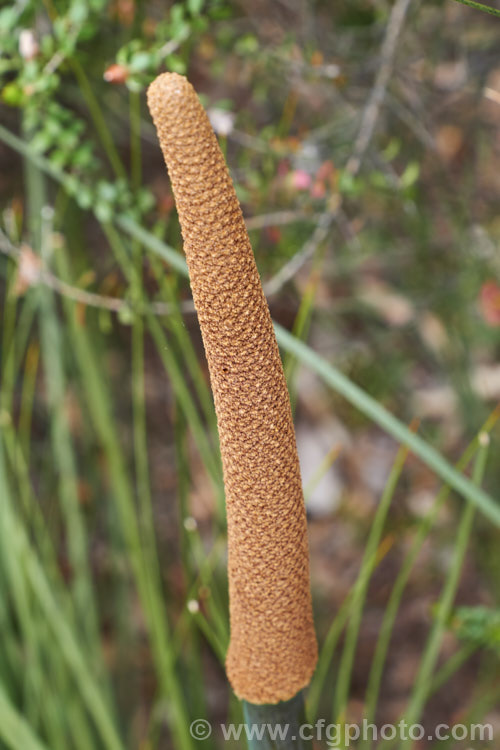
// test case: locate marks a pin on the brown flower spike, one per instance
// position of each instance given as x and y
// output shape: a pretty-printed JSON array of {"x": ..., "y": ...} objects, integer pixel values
[{"x": 273, "y": 651}]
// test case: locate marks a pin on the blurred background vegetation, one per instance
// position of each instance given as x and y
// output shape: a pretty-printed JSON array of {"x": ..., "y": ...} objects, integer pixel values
[{"x": 363, "y": 138}]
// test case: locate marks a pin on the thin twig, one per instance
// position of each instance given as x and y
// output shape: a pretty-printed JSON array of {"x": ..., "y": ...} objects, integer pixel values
[
  {"x": 377, "y": 94},
  {"x": 365, "y": 134},
  {"x": 290, "y": 268},
  {"x": 90, "y": 299},
  {"x": 171, "y": 46},
  {"x": 55, "y": 61},
  {"x": 279, "y": 218},
  {"x": 492, "y": 94},
  {"x": 249, "y": 141},
  {"x": 411, "y": 121}
]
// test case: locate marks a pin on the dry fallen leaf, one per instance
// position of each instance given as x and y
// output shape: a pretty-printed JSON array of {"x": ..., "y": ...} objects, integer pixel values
[
  {"x": 449, "y": 142},
  {"x": 433, "y": 332},
  {"x": 450, "y": 76},
  {"x": 390, "y": 305}
]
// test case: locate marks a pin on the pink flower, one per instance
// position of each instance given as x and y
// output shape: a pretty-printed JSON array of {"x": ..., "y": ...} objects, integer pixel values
[
  {"x": 301, "y": 180},
  {"x": 489, "y": 302}
]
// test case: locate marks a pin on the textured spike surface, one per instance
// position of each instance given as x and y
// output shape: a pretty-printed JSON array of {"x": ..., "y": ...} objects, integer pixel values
[{"x": 272, "y": 651}]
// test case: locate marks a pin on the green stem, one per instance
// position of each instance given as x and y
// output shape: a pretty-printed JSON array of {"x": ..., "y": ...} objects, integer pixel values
[
  {"x": 361, "y": 586},
  {"x": 302, "y": 323},
  {"x": 15, "y": 731},
  {"x": 175, "y": 373},
  {"x": 279, "y": 726},
  {"x": 326, "y": 654},
  {"x": 40, "y": 224},
  {"x": 62, "y": 444},
  {"x": 391, "y": 610},
  {"x": 21, "y": 551},
  {"x": 146, "y": 577},
  {"x": 176, "y": 325},
  {"x": 146, "y": 519},
  {"x": 431, "y": 652},
  {"x": 451, "y": 666},
  {"x": 98, "y": 119},
  {"x": 135, "y": 140},
  {"x": 28, "y": 399}
]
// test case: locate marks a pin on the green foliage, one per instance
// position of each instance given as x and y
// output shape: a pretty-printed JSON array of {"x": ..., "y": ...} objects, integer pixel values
[
  {"x": 480, "y": 7},
  {"x": 56, "y": 131},
  {"x": 478, "y": 625}
]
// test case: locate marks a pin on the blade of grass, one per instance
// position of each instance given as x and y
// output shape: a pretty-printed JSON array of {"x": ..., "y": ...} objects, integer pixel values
[
  {"x": 12, "y": 365},
  {"x": 28, "y": 398},
  {"x": 143, "y": 486},
  {"x": 157, "y": 246},
  {"x": 174, "y": 370},
  {"x": 29, "y": 634},
  {"x": 212, "y": 598},
  {"x": 484, "y": 703},
  {"x": 189, "y": 538},
  {"x": 35, "y": 191},
  {"x": 324, "y": 466},
  {"x": 187, "y": 524},
  {"x": 480, "y": 6},
  {"x": 30, "y": 506},
  {"x": 423, "y": 680},
  {"x": 24, "y": 330},
  {"x": 371, "y": 408},
  {"x": 451, "y": 666},
  {"x": 69, "y": 711},
  {"x": 137, "y": 370},
  {"x": 175, "y": 324},
  {"x": 148, "y": 585},
  {"x": 22, "y": 609},
  {"x": 391, "y": 610},
  {"x": 62, "y": 447},
  {"x": 318, "y": 681},
  {"x": 325, "y": 658},
  {"x": 301, "y": 326},
  {"x": 84, "y": 604},
  {"x": 361, "y": 587},
  {"x": 11, "y": 662},
  {"x": 98, "y": 118},
  {"x": 181, "y": 390},
  {"x": 14, "y": 729},
  {"x": 219, "y": 647},
  {"x": 135, "y": 139},
  {"x": 8, "y": 371},
  {"x": 40, "y": 588}
]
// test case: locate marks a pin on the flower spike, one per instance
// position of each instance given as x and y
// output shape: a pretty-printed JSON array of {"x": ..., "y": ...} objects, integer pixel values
[{"x": 273, "y": 650}]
